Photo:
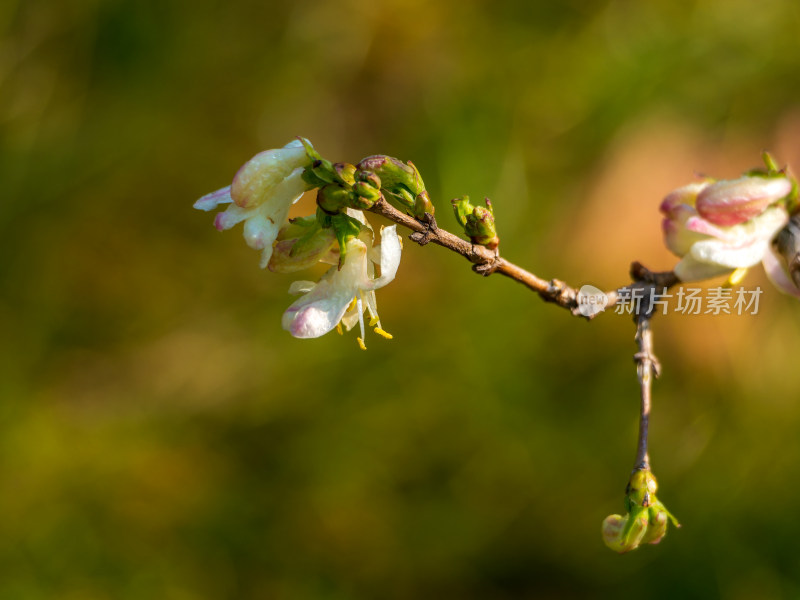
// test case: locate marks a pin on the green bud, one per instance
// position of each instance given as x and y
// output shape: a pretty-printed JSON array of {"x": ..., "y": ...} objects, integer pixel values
[
  {"x": 369, "y": 177},
  {"x": 393, "y": 173},
  {"x": 332, "y": 198},
  {"x": 366, "y": 195},
  {"x": 623, "y": 534},
  {"x": 345, "y": 173},
  {"x": 422, "y": 205},
  {"x": 401, "y": 183},
  {"x": 656, "y": 526},
  {"x": 477, "y": 221}
]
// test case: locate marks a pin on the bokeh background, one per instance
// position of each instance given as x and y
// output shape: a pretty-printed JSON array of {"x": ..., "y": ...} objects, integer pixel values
[{"x": 162, "y": 437}]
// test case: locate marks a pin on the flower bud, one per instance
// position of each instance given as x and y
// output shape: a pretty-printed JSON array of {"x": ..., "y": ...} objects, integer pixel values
[
  {"x": 333, "y": 197},
  {"x": 369, "y": 177},
  {"x": 623, "y": 534},
  {"x": 393, "y": 173},
  {"x": 401, "y": 182},
  {"x": 345, "y": 173},
  {"x": 477, "y": 221},
  {"x": 423, "y": 204},
  {"x": 366, "y": 195},
  {"x": 736, "y": 201},
  {"x": 656, "y": 526},
  {"x": 367, "y": 188}
]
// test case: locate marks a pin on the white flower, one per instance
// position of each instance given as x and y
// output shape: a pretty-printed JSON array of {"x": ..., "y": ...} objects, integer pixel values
[
  {"x": 719, "y": 227},
  {"x": 342, "y": 295},
  {"x": 261, "y": 194}
]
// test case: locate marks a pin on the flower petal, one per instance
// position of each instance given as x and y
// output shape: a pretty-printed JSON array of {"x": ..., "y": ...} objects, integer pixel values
[
  {"x": 301, "y": 287},
  {"x": 690, "y": 269},
  {"x": 736, "y": 201},
  {"x": 214, "y": 199},
  {"x": 678, "y": 237},
  {"x": 319, "y": 311},
  {"x": 391, "y": 248},
  {"x": 231, "y": 216},
  {"x": 257, "y": 178},
  {"x": 717, "y": 252},
  {"x": 260, "y": 231},
  {"x": 734, "y": 247},
  {"x": 686, "y": 195}
]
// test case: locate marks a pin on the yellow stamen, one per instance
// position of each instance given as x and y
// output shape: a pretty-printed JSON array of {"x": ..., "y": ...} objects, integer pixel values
[
  {"x": 383, "y": 333},
  {"x": 361, "y": 344},
  {"x": 373, "y": 320},
  {"x": 737, "y": 276},
  {"x": 352, "y": 305},
  {"x": 339, "y": 328}
]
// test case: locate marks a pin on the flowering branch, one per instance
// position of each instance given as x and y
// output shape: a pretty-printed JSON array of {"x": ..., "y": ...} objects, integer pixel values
[{"x": 716, "y": 227}]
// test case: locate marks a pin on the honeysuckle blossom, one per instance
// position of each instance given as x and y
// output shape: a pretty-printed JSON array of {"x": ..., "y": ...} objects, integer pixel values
[
  {"x": 262, "y": 192},
  {"x": 343, "y": 294},
  {"x": 722, "y": 226}
]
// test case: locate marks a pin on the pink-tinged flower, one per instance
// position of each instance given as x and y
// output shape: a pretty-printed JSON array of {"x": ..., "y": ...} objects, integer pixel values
[
  {"x": 722, "y": 226},
  {"x": 262, "y": 192},
  {"x": 342, "y": 295}
]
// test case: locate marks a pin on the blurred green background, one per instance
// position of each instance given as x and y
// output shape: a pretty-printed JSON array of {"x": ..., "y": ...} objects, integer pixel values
[{"x": 162, "y": 437}]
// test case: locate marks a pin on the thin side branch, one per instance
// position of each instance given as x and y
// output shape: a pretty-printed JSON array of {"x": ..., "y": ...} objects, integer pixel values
[
  {"x": 486, "y": 262},
  {"x": 647, "y": 367}
]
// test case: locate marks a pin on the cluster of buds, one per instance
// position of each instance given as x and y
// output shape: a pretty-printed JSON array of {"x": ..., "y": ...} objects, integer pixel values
[
  {"x": 400, "y": 183},
  {"x": 724, "y": 227},
  {"x": 477, "y": 221},
  {"x": 261, "y": 195},
  {"x": 646, "y": 518}
]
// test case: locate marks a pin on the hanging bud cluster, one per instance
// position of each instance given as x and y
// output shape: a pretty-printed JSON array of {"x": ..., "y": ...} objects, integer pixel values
[{"x": 646, "y": 518}]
